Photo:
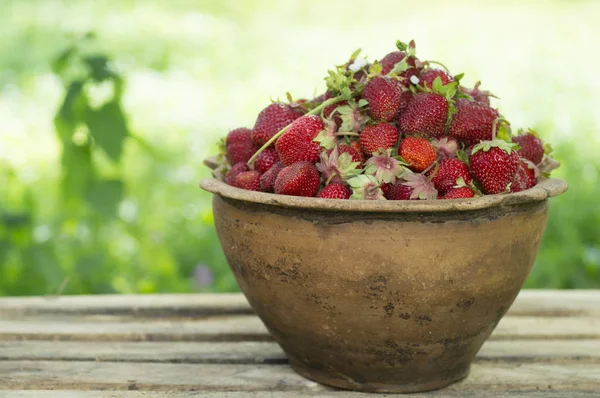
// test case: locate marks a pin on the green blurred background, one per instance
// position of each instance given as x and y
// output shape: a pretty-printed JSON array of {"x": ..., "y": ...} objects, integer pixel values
[{"x": 102, "y": 140}]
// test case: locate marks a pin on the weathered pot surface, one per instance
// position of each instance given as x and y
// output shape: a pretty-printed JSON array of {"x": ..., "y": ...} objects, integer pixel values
[{"x": 381, "y": 296}]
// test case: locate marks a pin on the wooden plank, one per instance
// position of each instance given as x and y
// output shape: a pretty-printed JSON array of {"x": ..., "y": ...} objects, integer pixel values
[
  {"x": 44, "y": 375},
  {"x": 151, "y": 305},
  {"x": 556, "y": 303},
  {"x": 528, "y": 303},
  {"x": 560, "y": 351},
  {"x": 293, "y": 394},
  {"x": 246, "y": 328}
]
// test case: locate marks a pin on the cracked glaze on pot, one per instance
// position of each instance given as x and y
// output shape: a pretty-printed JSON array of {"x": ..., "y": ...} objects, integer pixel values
[{"x": 381, "y": 296}]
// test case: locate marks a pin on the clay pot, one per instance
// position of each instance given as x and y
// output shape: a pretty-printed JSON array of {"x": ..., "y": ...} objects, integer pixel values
[{"x": 381, "y": 296}]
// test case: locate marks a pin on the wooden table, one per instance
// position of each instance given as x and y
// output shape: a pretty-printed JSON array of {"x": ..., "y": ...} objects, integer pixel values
[{"x": 213, "y": 346}]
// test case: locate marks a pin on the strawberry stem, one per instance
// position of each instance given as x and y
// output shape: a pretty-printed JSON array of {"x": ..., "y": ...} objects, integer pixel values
[
  {"x": 440, "y": 64},
  {"x": 314, "y": 111},
  {"x": 495, "y": 126}
]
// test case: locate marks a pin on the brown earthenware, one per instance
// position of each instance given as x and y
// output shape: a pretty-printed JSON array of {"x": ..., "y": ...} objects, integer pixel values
[{"x": 381, "y": 296}]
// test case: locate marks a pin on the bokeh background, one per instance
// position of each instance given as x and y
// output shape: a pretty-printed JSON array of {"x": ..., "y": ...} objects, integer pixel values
[{"x": 102, "y": 135}]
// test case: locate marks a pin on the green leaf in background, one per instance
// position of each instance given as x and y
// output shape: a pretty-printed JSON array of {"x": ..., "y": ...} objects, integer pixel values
[
  {"x": 108, "y": 126},
  {"x": 99, "y": 68},
  {"x": 77, "y": 170},
  {"x": 105, "y": 196},
  {"x": 69, "y": 113}
]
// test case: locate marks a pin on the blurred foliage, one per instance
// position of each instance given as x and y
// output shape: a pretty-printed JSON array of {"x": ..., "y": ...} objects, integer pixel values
[{"x": 101, "y": 140}]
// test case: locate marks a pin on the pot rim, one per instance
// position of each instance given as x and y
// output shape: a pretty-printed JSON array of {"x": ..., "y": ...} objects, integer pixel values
[{"x": 545, "y": 189}]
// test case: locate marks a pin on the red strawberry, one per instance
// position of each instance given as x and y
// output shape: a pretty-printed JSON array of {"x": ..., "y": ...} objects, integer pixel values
[
  {"x": 477, "y": 94},
  {"x": 417, "y": 152},
  {"x": 239, "y": 145},
  {"x": 384, "y": 97},
  {"x": 425, "y": 115},
  {"x": 266, "y": 159},
  {"x": 525, "y": 178},
  {"x": 267, "y": 180},
  {"x": 335, "y": 191},
  {"x": 458, "y": 193},
  {"x": 532, "y": 148},
  {"x": 352, "y": 151},
  {"x": 249, "y": 180},
  {"x": 427, "y": 78},
  {"x": 399, "y": 191},
  {"x": 390, "y": 60},
  {"x": 412, "y": 186},
  {"x": 494, "y": 164},
  {"x": 297, "y": 145},
  {"x": 385, "y": 188},
  {"x": 448, "y": 172},
  {"x": 378, "y": 137},
  {"x": 272, "y": 119},
  {"x": 358, "y": 149},
  {"x": 234, "y": 171},
  {"x": 472, "y": 122},
  {"x": 298, "y": 179},
  {"x": 328, "y": 110}
]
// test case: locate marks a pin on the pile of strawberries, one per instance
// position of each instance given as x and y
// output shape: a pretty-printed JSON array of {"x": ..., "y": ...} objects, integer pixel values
[{"x": 397, "y": 129}]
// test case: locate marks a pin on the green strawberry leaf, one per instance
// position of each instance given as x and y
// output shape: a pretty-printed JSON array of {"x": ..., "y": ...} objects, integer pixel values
[
  {"x": 399, "y": 68},
  {"x": 362, "y": 103},
  {"x": 401, "y": 46},
  {"x": 458, "y": 77},
  {"x": 548, "y": 148},
  {"x": 504, "y": 132},
  {"x": 355, "y": 54},
  {"x": 375, "y": 68}
]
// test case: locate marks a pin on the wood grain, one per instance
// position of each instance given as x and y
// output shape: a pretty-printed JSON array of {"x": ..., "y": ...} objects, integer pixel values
[
  {"x": 529, "y": 303},
  {"x": 556, "y": 351},
  {"x": 245, "y": 328},
  {"x": 82, "y": 375}
]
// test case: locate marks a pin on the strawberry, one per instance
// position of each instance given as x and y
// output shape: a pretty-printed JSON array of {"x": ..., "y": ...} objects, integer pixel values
[
  {"x": 298, "y": 179},
  {"x": 494, "y": 164},
  {"x": 526, "y": 176},
  {"x": 450, "y": 170},
  {"x": 477, "y": 94},
  {"x": 378, "y": 137},
  {"x": 390, "y": 60},
  {"x": 427, "y": 77},
  {"x": 399, "y": 191},
  {"x": 297, "y": 143},
  {"x": 417, "y": 152},
  {"x": 532, "y": 148},
  {"x": 272, "y": 119},
  {"x": 358, "y": 149},
  {"x": 385, "y": 188},
  {"x": 335, "y": 191},
  {"x": 239, "y": 145},
  {"x": 267, "y": 180},
  {"x": 234, "y": 171},
  {"x": 355, "y": 154},
  {"x": 472, "y": 122},
  {"x": 384, "y": 97},
  {"x": 425, "y": 115},
  {"x": 266, "y": 159},
  {"x": 328, "y": 110},
  {"x": 458, "y": 193},
  {"x": 249, "y": 180},
  {"x": 412, "y": 186}
]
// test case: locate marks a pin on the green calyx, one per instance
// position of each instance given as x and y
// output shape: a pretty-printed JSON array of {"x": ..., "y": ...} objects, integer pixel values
[
  {"x": 340, "y": 80},
  {"x": 501, "y": 130},
  {"x": 365, "y": 187},
  {"x": 485, "y": 146}
]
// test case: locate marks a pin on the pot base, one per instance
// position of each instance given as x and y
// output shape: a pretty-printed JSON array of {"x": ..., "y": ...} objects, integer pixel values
[{"x": 338, "y": 381}]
